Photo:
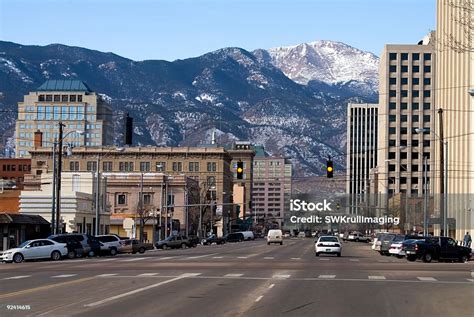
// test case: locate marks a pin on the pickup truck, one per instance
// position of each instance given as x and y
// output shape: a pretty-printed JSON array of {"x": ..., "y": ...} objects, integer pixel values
[{"x": 435, "y": 248}]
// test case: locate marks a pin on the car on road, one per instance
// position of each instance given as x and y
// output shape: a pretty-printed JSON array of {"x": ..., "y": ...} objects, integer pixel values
[
  {"x": 213, "y": 239},
  {"x": 301, "y": 234},
  {"x": 173, "y": 242},
  {"x": 89, "y": 243},
  {"x": 36, "y": 249},
  {"x": 328, "y": 245},
  {"x": 75, "y": 249},
  {"x": 134, "y": 246},
  {"x": 112, "y": 243},
  {"x": 357, "y": 237},
  {"x": 385, "y": 242},
  {"x": 396, "y": 248},
  {"x": 234, "y": 237},
  {"x": 248, "y": 235},
  {"x": 436, "y": 248},
  {"x": 275, "y": 236}
]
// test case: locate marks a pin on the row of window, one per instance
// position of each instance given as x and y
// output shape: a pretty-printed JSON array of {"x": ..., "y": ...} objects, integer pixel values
[
  {"x": 414, "y": 81},
  {"x": 405, "y": 143},
  {"x": 60, "y": 98},
  {"x": 414, "y": 168},
  {"x": 414, "y": 68},
  {"x": 414, "y": 56},
  {"x": 15, "y": 167},
  {"x": 403, "y": 130},
  {"x": 144, "y": 166},
  {"x": 404, "y": 118},
  {"x": 414, "y": 93},
  {"x": 61, "y": 113},
  {"x": 403, "y": 155},
  {"x": 413, "y": 106}
]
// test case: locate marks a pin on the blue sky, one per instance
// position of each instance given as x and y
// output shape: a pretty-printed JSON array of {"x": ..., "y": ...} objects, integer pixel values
[{"x": 172, "y": 29}]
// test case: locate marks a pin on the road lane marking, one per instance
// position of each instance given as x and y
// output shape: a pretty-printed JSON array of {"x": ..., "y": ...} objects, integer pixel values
[
  {"x": 259, "y": 298},
  {"x": 281, "y": 276},
  {"x": 200, "y": 256},
  {"x": 106, "y": 260},
  {"x": 472, "y": 274},
  {"x": 382, "y": 261},
  {"x": 138, "y": 290},
  {"x": 242, "y": 257},
  {"x": 323, "y": 259},
  {"x": 133, "y": 259},
  {"x": 327, "y": 276},
  {"x": 376, "y": 277},
  {"x": 470, "y": 280},
  {"x": 42, "y": 288},
  {"x": 217, "y": 257},
  {"x": 190, "y": 274},
  {"x": 233, "y": 275},
  {"x": 268, "y": 258},
  {"x": 16, "y": 277},
  {"x": 63, "y": 275},
  {"x": 147, "y": 274},
  {"x": 271, "y": 286},
  {"x": 354, "y": 260},
  {"x": 167, "y": 258},
  {"x": 106, "y": 275},
  {"x": 427, "y": 279},
  {"x": 296, "y": 258}
]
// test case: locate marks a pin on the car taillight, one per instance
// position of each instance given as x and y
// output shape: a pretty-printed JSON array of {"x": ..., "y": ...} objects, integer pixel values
[{"x": 416, "y": 247}]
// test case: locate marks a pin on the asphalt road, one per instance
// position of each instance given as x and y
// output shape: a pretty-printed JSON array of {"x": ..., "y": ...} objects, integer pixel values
[{"x": 239, "y": 279}]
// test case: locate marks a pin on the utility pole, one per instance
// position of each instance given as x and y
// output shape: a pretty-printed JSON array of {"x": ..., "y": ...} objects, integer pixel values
[
  {"x": 142, "y": 230},
  {"x": 97, "y": 208},
  {"x": 425, "y": 196},
  {"x": 53, "y": 203},
  {"x": 58, "y": 177},
  {"x": 441, "y": 173}
]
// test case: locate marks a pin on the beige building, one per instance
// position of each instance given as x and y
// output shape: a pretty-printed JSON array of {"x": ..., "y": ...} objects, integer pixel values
[
  {"x": 455, "y": 76},
  {"x": 77, "y": 202},
  {"x": 362, "y": 131},
  {"x": 71, "y": 102}
]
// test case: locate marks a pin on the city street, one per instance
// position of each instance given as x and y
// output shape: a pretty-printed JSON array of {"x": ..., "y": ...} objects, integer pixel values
[{"x": 239, "y": 279}]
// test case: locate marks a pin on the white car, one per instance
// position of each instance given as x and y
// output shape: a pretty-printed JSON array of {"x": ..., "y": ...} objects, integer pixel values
[
  {"x": 328, "y": 245},
  {"x": 112, "y": 244},
  {"x": 275, "y": 236},
  {"x": 396, "y": 249},
  {"x": 36, "y": 249}
]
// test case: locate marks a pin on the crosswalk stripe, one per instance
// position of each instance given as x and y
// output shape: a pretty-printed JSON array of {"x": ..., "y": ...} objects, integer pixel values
[
  {"x": 217, "y": 257},
  {"x": 148, "y": 274},
  {"x": 167, "y": 258},
  {"x": 133, "y": 259},
  {"x": 268, "y": 258},
  {"x": 327, "y": 276},
  {"x": 199, "y": 256},
  {"x": 281, "y": 276},
  {"x": 16, "y": 277},
  {"x": 107, "y": 274},
  {"x": 323, "y": 259},
  {"x": 427, "y": 279},
  {"x": 376, "y": 277},
  {"x": 242, "y": 257},
  {"x": 296, "y": 258},
  {"x": 233, "y": 275},
  {"x": 63, "y": 275}
]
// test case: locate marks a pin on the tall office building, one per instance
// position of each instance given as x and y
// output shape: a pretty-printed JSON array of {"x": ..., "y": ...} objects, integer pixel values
[
  {"x": 71, "y": 102},
  {"x": 406, "y": 103},
  {"x": 454, "y": 78},
  {"x": 362, "y": 129}
]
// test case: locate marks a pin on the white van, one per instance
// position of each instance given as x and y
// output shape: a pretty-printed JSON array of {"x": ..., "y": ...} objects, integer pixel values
[
  {"x": 275, "y": 236},
  {"x": 248, "y": 235}
]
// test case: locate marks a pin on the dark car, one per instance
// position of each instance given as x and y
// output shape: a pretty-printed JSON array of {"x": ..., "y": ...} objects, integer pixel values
[
  {"x": 193, "y": 241},
  {"x": 385, "y": 243},
  {"x": 89, "y": 243},
  {"x": 213, "y": 239},
  {"x": 74, "y": 247},
  {"x": 436, "y": 248},
  {"x": 134, "y": 246},
  {"x": 234, "y": 237},
  {"x": 173, "y": 242}
]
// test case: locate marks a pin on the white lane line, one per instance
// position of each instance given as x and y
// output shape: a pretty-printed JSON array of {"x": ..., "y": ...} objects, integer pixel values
[
  {"x": 190, "y": 274},
  {"x": 73, "y": 261},
  {"x": 470, "y": 280},
  {"x": 233, "y": 275},
  {"x": 217, "y": 257},
  {"x": 281, "y": 276},
  {"x": 323, "y": 259},
  {"x": 376, "y": 277},
  {"x": 354, "y": 260},
  {"x": 133, "y": 259},
  {"x": 147, "y": 274},
  {"x": 296, "y": 258},
  {"x": 271, "y": 286},
  {"x": 167, "y": 258},
  {"x": 200, "y": 256},
  {"x": 106, "y": 275},
  {"x": 16, "y": 277},
  {"x": 259, "y": 298},
  {"x": 106, "y": 260},
  {"x": 268, "y": 258},
  {"x": 327, "y": 276},
  {"x": 472, "y": 274},
  {"x": 63, "y": 275},
  {"x": 427, "y": 279},
  {"x": 382, "y": 261},
  {"x": 242, "y": 257},
  {"x": 138, "y": 290}
]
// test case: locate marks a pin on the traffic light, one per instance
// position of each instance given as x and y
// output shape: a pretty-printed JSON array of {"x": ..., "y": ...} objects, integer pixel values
[
  {"x": 329, "y": 169},
  {"x": 240, "y": 170},
  {"x": 128, "y": 130}
]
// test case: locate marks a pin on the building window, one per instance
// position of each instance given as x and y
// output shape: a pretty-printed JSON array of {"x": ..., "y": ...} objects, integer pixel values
[
  {"x": 211, "y": 181},
  {"x": 392, "y": 118},
  {"x": 392, "y": 93},
  {"x": 427, "y": 93},
  {"x": 404, "y": 56},
  {"x": 415, "y": 118},
  {"x": 392, "y": 106},
  {"x": 392, "y": 130},
  {"x": 427, "y": 68},
  {"x": 404, "y": 69},
  {"x": 414, "y": 142},
  {"x": 57, "y": 98},
  {"x": 427, "y": 106},
  {"x": 107, "y": 166},
  {"x": 393, "y": 69},
  {"x": 403, "y": 130},
  {"x": 427, "y": 81},
  {"x": 427, "y": 56},
  {"x": 416, "y": 56},
  {"x": 147, "y": 199},
  {"x": 416, "y": 93},
  {"x": 194, "y": 166},
  {"x": 426, "y": 118},
  {"x": 72, "y": 98},
  {"x": 126, "y": 166},
  {"x": 91, "y": 166},
  {"x": 404, "y": 81},
  {"x": 414, "y": 155},
  {"x": 74, "y": 166},
  {"x": 391, "y": 168},
  {"x": 160, "y": 166},
  {"x": 426, "y": 143},
  {"x": 392, "y": 143},
  {"x": 404, "y": 93},
  {"x": 41, "y": 98},
  {"x": 393, "y": 56},
  {"x": 144, "y": 166},
  {"x": 177, "y": 166},
  {"x": 79, "y": 98},
  {"x": 64, "y": 98},
  {"x": 415, "y": 106},
  {"x": 404, "y": 118},
  {"x": 121, "y": 199},
  {"x": 403, "y": 155},
  {"x": 416, "y": 81},
  {"x": 404, "y": 106},
  {"x": 416, "y": 69},
  {"x": 211, "y": 166}
]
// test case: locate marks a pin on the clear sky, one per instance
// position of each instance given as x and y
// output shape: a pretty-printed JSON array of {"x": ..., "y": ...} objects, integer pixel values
[{"x": 176, "y": 29}]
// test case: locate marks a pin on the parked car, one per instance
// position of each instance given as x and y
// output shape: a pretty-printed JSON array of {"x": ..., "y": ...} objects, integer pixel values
[
  {"x": 134, "y": 246},
  {"x": 89, "y": 243},
  {"x": 275, "y": 236},
  {"x": 301, "y": 234},
  {"x": 385, "y": 242},
  {"x": 396, "y": 248},
  {"x": 213, "y": 239},
  {"x": 357, "y": 236},
  {"x": 234, "y": 237},
  {"x": 193, "y": 241},
  {"x": 173, "y": 242},
  {"x": 75, "y": 249},
  {"x": 248, "y": 235},
  {"x": 377, "y": 243},
  {"x": 328, "y": 245},
  {"x": 113, "y": 243},
  {"x": 436, "y": 248},
  {"x": 36, "y": 249}
]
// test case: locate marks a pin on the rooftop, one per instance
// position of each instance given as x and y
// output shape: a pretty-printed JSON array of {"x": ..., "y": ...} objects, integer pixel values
[{"x": 64, "y": 85}]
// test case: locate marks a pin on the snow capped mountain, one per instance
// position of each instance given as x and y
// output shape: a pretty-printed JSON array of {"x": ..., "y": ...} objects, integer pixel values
[{"x": 330, "y": 62}]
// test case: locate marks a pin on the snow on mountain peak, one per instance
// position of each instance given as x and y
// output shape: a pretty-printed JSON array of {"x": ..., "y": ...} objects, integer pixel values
[{"x": 330, "y": 62}]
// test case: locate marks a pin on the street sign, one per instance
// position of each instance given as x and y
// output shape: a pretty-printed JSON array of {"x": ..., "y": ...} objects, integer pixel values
[
  {"x": 219, "y": 210},
  {"x": 128, "y": 223}
]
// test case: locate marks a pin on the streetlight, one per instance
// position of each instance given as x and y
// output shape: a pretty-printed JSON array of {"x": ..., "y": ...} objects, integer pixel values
[
  {"x": 443, "y": 177},
  {"x": 57, "y": 169},
  {"x": 471, "y": 92}
]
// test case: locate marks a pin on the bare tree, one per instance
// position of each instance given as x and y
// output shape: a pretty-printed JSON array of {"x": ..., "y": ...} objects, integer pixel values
[{"x": 463, "y": 18}]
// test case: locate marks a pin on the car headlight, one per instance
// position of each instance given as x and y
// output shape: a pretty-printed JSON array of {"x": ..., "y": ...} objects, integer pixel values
[{"x": 5, "y": 253}]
